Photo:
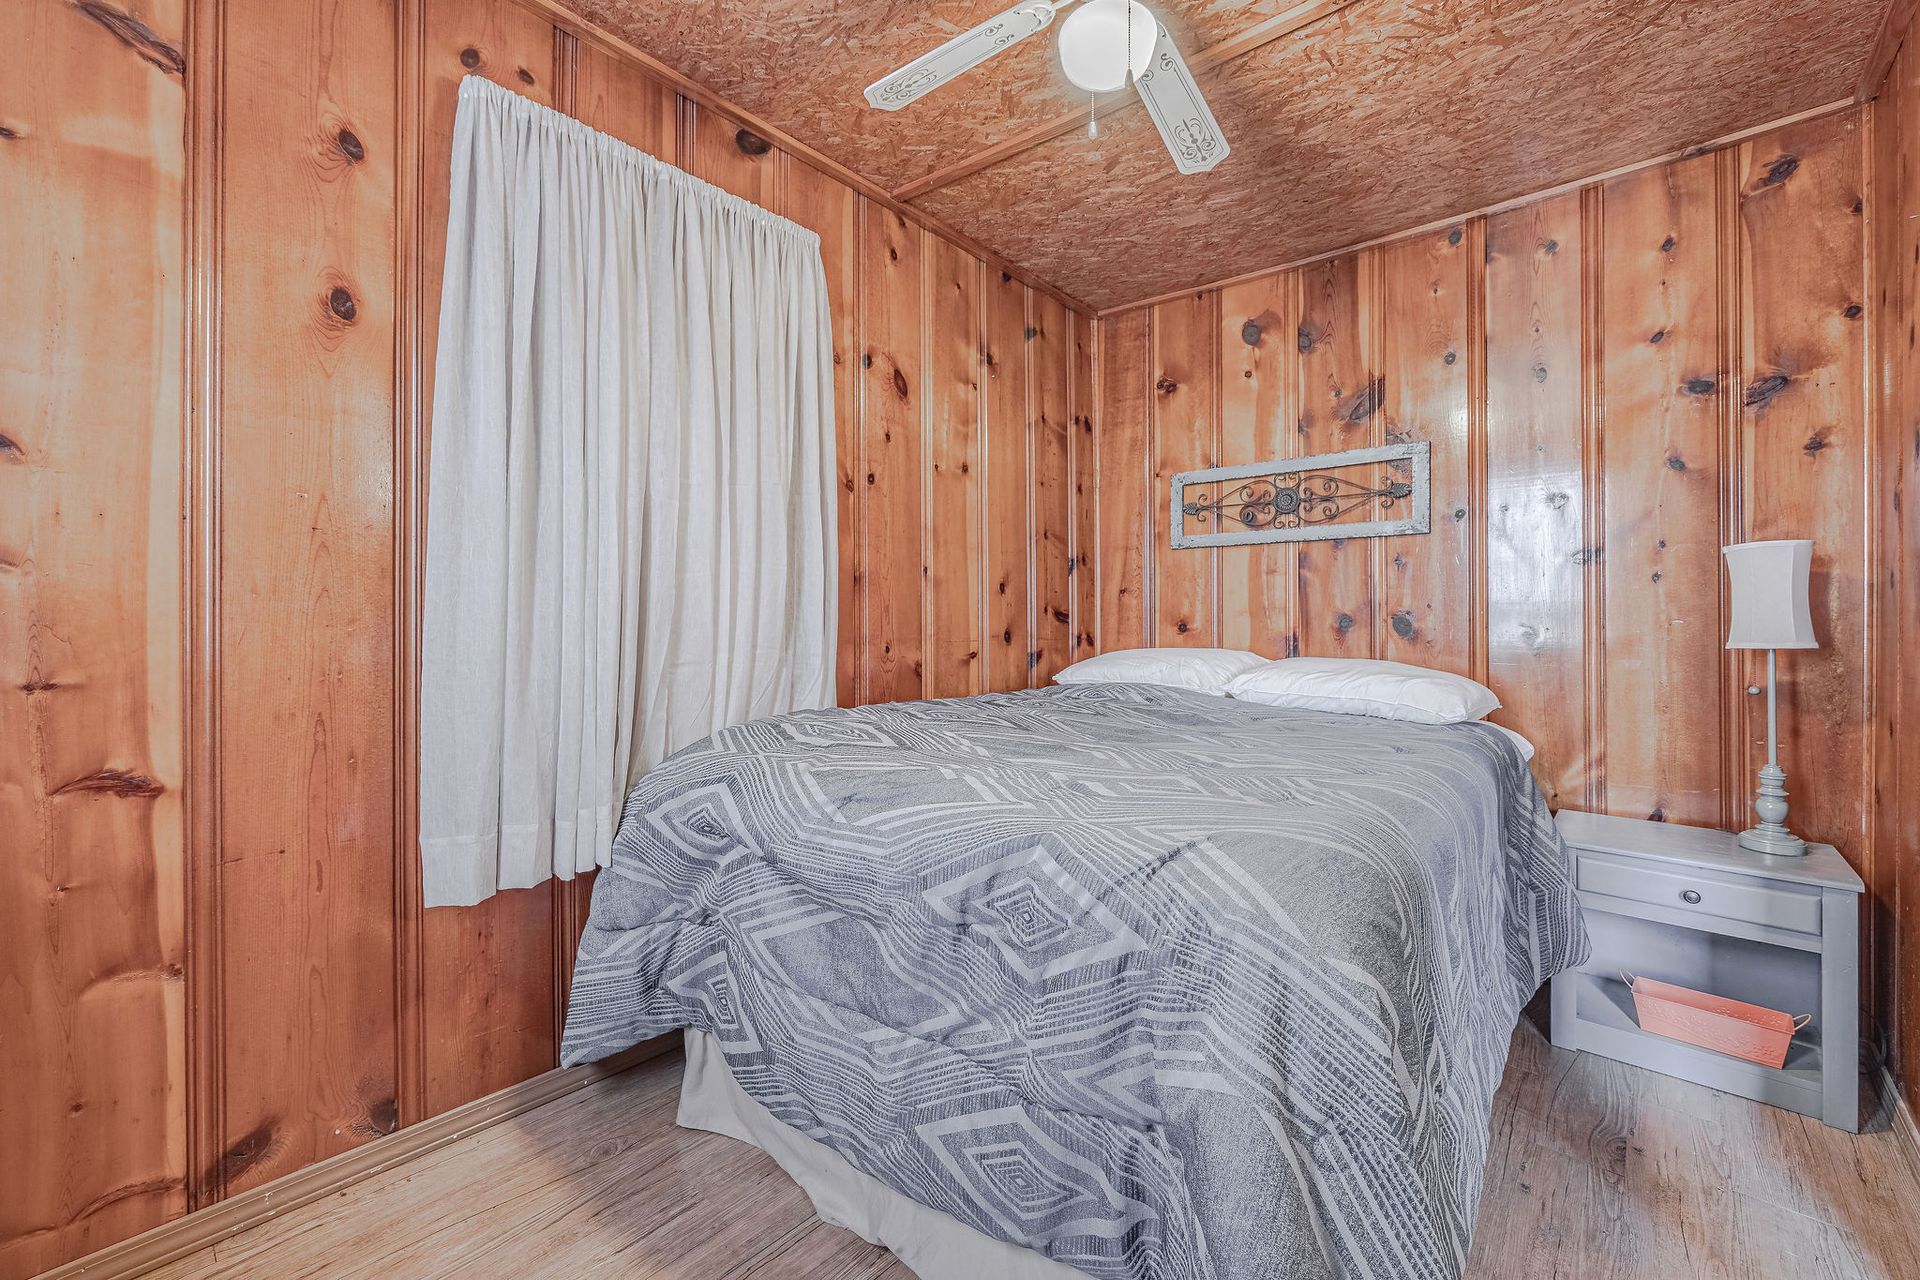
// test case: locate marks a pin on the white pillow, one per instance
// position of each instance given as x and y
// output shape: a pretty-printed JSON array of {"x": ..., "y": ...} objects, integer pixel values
[
  {"x": 1526, "y": 747},
  {"x": 1364, "y": 687},
  {"x": 1204, "y": 670}
]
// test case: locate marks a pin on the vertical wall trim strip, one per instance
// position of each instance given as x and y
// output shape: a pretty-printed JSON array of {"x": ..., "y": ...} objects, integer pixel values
[
  {"x": 1477, "y": 641},
  {"x": 1373, "y": 298},
  {"x": 983, "y": 464},
  {"x": 205, "y": 1056},
  {"x": 562, "y": 899},
  {"x": 1876, "y": 689},
  {"x": 1733, "y": 701},
  {"x": 1149, "y": 557},
  {"x": 1594, "y": 476},
  {"x": 1097, "y": 338},
  {"x": 923, "y": 380},
  {"x": 1031, "y": 527},
  {"x": 409, "y": 542},
  {"x": 862, "y": 485}
]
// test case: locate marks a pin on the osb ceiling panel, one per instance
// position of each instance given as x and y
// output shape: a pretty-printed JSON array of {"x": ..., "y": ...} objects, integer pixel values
[
  {"x": 803, "y": 64},
  {"x": 1387, "y": 115}
]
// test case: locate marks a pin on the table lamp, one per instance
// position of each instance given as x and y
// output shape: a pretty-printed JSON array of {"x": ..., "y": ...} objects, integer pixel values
[{"x": 1769, "y": 610}]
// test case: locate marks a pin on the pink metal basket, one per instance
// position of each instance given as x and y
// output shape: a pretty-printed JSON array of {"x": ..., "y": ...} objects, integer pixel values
[{"x": 1734, "y": 1027}]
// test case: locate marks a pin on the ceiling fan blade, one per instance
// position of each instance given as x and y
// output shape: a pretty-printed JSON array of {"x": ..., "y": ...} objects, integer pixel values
[
  {"x": 959, "y": 55},
  {"x": 1181, "y": 115}
]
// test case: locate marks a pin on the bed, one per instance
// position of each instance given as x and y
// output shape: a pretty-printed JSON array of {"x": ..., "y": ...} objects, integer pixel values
[{"x": 1113, "y": 980}]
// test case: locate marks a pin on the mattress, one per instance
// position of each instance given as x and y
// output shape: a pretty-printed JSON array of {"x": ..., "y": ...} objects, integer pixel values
[{"x": 1146, "y": 982}]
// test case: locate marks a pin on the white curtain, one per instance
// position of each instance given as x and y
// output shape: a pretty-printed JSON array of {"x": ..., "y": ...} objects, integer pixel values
[{"x": 630, "y": 521}]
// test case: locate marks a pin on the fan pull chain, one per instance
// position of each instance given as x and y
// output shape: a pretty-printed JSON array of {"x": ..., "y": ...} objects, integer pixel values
[{"x": 1093, "y": 120}]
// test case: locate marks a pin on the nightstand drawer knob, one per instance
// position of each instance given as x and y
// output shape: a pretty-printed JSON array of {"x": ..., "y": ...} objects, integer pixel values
[{"x": 1690, "y": 896}]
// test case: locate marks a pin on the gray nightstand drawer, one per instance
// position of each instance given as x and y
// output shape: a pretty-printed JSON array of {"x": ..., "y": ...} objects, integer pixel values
[{"x": 1770, "y": 903}]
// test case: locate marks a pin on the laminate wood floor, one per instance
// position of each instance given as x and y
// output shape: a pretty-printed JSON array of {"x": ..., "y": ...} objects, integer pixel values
[{"x": 1597, "y": 1171}]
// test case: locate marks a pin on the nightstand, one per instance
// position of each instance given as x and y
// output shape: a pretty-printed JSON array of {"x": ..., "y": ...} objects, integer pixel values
[{"x": 1689, "y": 906}]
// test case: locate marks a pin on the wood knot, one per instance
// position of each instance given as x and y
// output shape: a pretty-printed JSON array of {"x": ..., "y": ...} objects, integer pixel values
[
  {"x": 341, "y": 304},
  {"x": 1816, "y": 442},
  {"x": 1365, "y": 402},
  {"x": 899, "y": 383},
  {"x": 1780, "y": 170},
  {"x": 1668, "y": 245},
  {"x": 1449, "y": 359},
  {"x": 1586, "y": 556},
  {"x": 8, "y": 133},
  {"x": 1676, "y": 463},
  {"x": 1539, "y": 372},
  {"x": 123, "y": 783},
  {"x": 136, "y": 35},
  {"x": 1308, "y": 339},
  {"x": 1659, "y": 336},
  {"x": 751, "y": 143},
  {"x": 1403, "y": 625},
  {"x": 526, "y": 76},
  {"x": 1699, "y": 386},
  {"x": 1165, "y": 386},
  {"x": 1250, "y": 333},
  {"x": 350, "y": 146},
  {"x": 866, "y": 360},
  {"x": 10, "y": 450},
  {"x": 1550, "y": 248},
  {"x": 1761, "y": 393},
  {"x": 1343, "y": 622},
  {"x": 1853, "y": 311},
  {"x": 1455, "y": 236},
  {"x": 1032, "y": 333},
  {"x": 469, "y": 57},
  {"x": 1182, "y": 627}
]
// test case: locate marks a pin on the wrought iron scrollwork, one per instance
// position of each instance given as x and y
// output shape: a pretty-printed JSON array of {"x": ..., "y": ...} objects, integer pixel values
[{"x": 1304, "y": 498}]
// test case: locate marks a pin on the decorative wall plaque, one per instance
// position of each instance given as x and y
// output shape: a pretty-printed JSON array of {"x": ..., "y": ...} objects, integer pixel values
[{"x": 1361, "y": 493}]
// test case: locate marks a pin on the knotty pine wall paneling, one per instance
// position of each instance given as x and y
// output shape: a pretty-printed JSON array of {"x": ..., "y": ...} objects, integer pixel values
[
  {"x": 222, "y": 997},
  {"x": 1615, "y": 382},
  {"x": 1123, "y": 513},
  {"x": 1085, "y": 487},
  {"x": 1536, "y": 553},
  {"x": 1183, "y": 434},
  {"x": 1050, "y": 553},
  {"x": 92, "y": 876},
  {"x": 954, "y": 515},
  {"x": 306, "y": 570},
  {"x": 892, "y": 389},
  {"x": 1004, "y": 342},
  {"x": 1425, "y": 589},
  {"x": 1894, "y": 211},
  {"x": 1339, "y": 400},
  {"x": 1259, "y": 418}
]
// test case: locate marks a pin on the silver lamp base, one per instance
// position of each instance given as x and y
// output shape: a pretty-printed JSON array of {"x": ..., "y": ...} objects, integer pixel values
[{"x": 1770, "y": 803}]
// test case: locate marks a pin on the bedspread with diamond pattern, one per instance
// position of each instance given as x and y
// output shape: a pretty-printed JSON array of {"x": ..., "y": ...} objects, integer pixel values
[{"x": 1156, "y": 983}]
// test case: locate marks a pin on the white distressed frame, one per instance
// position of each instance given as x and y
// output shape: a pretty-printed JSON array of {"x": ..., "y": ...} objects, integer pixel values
[{"x": 1417, "y": 521}]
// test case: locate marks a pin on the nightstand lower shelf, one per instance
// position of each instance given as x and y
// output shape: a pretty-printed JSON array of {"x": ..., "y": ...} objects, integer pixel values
[{"x": 1601, "y": 1020}]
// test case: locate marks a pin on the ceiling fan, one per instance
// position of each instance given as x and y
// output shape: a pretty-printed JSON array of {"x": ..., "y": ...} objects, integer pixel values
[{"x": 1103, "y": 44}]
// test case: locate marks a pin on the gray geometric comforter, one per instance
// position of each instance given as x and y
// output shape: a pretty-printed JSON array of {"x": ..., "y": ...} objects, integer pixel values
[{"x": 1156, "y": 983}]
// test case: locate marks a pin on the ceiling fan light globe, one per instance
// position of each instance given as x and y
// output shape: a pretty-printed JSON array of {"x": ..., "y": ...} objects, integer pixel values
[{"x": 1094, "y": 43}]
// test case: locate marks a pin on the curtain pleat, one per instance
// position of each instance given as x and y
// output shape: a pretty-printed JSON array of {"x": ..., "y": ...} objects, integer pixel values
[{"x": 631, "y": 505}]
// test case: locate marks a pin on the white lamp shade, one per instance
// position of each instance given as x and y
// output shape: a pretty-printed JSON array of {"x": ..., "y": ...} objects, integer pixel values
[
  {"x": 1769, "y": 606},
  {"x": 1102, "y": 40}
]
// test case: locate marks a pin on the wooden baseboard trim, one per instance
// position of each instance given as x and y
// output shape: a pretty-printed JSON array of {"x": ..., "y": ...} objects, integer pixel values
[
  {"x": 171, "y": 1241},
  {"x": 1900, "y": 1115}
]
